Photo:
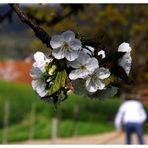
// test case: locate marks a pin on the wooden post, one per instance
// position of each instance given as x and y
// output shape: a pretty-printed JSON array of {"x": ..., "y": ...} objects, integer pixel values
[
  {"x": 54, "y": 130},
  {"x": 58, "y": 116},
  {"x": 6, "y": 122},
  {"x": 75, "y": 115},
  {"x": 32, "y": 121}
]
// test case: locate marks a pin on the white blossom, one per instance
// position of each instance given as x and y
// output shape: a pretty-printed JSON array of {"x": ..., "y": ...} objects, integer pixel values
[
  {"x": 41, "y": 60},
  {"x": 89, "y": 50},
  {"x": 86, "y": 77},
  {"x": 124, "y": 47},
  {"x": 65, "y": 46},
  {"x": 37, "y": 73},
  {"x": 39, "y": 86},
  {"x": 102, "y": 53},
  {"x": 125, "y": 61},
  {"x": 95, "y": 82},
  {"x": 38, "y": 82},
  {"x": 84, "y": 65}
]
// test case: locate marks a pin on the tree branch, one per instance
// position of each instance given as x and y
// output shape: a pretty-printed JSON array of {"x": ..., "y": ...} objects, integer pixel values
[{"x": 39, "y": 32}]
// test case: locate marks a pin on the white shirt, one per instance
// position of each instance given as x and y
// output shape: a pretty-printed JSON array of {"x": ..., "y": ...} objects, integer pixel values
[{"x": 130, "y": 111}]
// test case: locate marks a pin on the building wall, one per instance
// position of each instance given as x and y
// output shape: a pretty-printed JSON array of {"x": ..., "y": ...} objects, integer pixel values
[{"x": 16, "y": 70}]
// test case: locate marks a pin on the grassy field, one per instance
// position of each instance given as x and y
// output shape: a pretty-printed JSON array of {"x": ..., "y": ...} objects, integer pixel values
[{"x": 94, "y": 116}]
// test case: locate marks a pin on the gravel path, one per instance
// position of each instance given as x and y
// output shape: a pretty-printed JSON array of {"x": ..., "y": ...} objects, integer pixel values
[{"x": 106, "y": 138}]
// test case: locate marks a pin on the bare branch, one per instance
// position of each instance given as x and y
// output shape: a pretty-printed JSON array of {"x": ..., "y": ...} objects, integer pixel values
[{"x": 39, "y": 32}]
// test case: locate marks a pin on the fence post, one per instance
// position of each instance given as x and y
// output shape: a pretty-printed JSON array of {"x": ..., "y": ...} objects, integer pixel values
[
  {"x": 75, "y": 115},
  {"x": 32, "y": 121},
  {"x": 6, "y": 122},
  {"x": 54, "y": 130}
]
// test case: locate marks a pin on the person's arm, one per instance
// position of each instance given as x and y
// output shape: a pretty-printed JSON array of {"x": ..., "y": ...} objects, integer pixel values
[
  {"x": 119, "y": 118},
  {"x": 143, "y": 115}
]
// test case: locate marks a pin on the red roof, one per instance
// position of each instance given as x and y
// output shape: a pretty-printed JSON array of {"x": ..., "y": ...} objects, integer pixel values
[{"x": 16, "y": 70}]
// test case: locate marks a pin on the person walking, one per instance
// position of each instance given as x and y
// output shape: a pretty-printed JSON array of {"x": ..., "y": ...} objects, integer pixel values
[{"x": 130, "y": 117}]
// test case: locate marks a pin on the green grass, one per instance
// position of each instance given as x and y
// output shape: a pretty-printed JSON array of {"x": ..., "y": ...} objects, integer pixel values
[
  {"x": 20, "y": 132},
  {"x": 93, "y": 116},
  {"x": 83, "y": 128}
]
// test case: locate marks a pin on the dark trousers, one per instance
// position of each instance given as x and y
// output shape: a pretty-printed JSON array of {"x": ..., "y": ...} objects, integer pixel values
[{"x": 131, "y": 128}]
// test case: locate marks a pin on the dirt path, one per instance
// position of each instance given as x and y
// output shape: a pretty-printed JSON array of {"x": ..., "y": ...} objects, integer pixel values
[{"x": 106, "y": 138}]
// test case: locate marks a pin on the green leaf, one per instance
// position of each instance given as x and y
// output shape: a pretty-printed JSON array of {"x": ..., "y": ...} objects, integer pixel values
[
  {"x": 112, "y": 57},
  {"x": 120, "y": 72},
  {"x": 59, "y": 82},
  {"x": 105, "y": 94}
]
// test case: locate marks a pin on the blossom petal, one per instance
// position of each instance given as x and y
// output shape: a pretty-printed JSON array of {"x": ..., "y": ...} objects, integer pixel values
[
  {"x": 39, "y": 57},
  {"x": 103, "y": 73},
  {"x": 93, "y": 86},
  {"x": 71, "y": 55},
  {"x": 75, "y": 44},
  {"x": 89, "y": 50},
  {"x": 58, "y": 53},
  {"x": 40, "y": 65},
  {"x": 56, "y": 41},
  {"x": 39, "y": 86},
  {"x": 43, "y": 93},
  {"x": 75, "y": 74},
  {"x": 102, "y": 53},
  {"x": 90, "y": 86},
  {"x": 68, "y": 35},
  {"x": 124, "y": 47},
  {"x": 82, "y": 59},
  {"x": 34, "y": 84},
  {"x": 85, "y": 65},
  {"x": 74, "y": 64},
  {"x": 35, "y": 72},
  {"x": 92, "y": 64},
  {"x": 125, "y": 62},
  {"x": 100, "y": 85}
]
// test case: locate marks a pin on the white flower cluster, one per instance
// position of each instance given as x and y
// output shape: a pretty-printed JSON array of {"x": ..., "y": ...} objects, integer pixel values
[
  {"x": 37, "y": 73},
  {"x": 82, "y": 67}
]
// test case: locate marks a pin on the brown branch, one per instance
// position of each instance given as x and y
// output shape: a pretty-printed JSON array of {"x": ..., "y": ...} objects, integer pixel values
[{"x": 39, "y": 32}]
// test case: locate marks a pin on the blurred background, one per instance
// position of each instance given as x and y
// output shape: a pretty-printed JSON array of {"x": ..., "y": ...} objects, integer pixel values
[{"x": 23, "y": 116}]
